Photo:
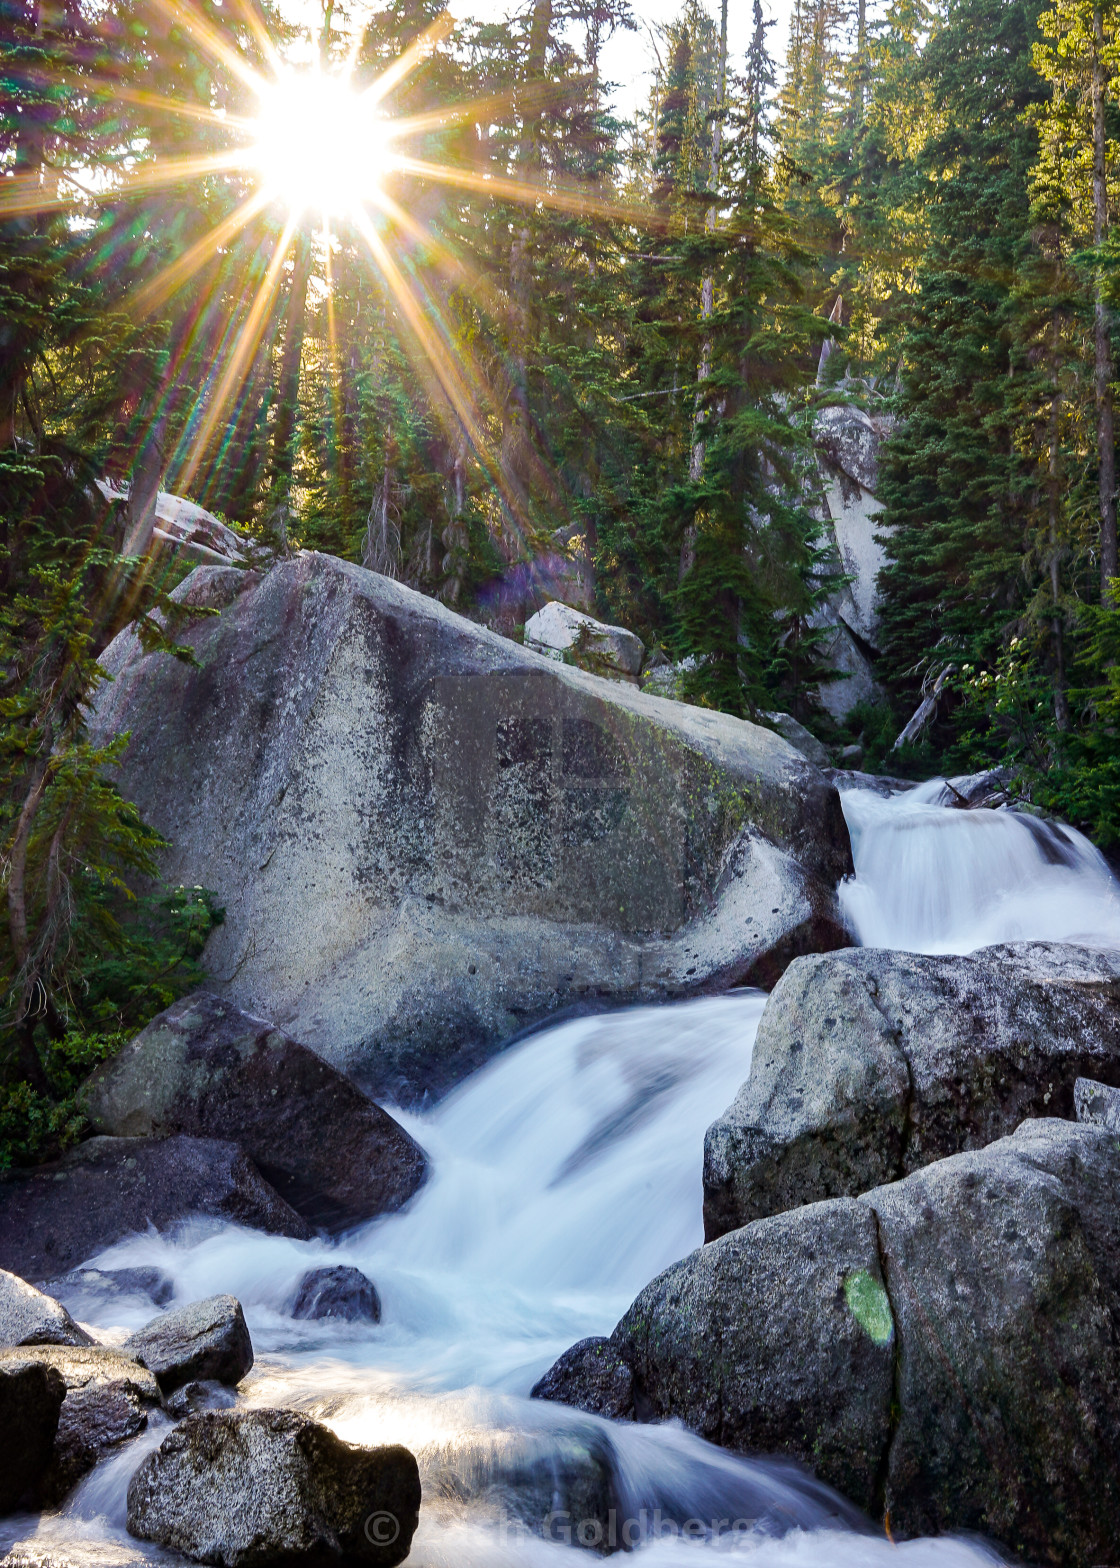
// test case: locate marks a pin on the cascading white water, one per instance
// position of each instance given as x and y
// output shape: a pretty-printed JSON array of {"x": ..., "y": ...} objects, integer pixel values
[
  {"x": 935, "y": 879},
  {"x": 566, "y": 1174}
]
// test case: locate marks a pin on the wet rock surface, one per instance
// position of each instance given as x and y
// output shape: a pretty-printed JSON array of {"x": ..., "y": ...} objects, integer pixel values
[
  {"x": 870, "y": 1064},
  {"x": 426, "y": 838},
  {"x": 945, "y": 1349},
  {"x": 594, "y": 1369},
  {"x": 30, "y": 1317},
  {"x": 208, "y": 1069},
  {"x": 108, "y": 1397},
  {"x": 342, "y": 1293},
  {"x": 239, "y": 1488},
  {"x": 83, "y": 1287},
  {"x": 753, "y": 1343},
  {"x": 54, "y": 1217},
  {"x": 31, "y": 1396},
  {"x": 205, "y": 1340}
]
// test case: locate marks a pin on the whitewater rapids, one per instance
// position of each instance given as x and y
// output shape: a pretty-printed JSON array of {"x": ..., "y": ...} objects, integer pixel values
[{"x": 566, "y": 1174}]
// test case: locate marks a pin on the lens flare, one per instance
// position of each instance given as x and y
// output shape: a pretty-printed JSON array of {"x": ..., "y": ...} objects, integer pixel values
[{"x": 319, "y": 146}]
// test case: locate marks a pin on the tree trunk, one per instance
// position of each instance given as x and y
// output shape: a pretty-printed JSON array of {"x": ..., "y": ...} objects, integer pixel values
[
  {"x": 515, "y": 429},
  {"x": 707, "y": 300},
  {"x": 147, "y": 478},
  {"x": 1102, "y": 338},
  {"x": 283, "y": 434},
  {"x": 1061, "y": 700}
]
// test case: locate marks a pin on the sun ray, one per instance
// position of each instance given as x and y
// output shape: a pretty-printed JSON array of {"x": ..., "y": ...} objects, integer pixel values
[
  {"x": 564, "y": 198},
  {"x": 493, "y": 105},
  {"x": 19, "y": 195},
  {"x": 244, "y": 347},
  {"x": 419, "y": 321},
  {"x": 160, "y": 288},
  {"x": 429, "y": 39},
  {"x": 144, "y": 98},
  {"x": 212, "y": 41},
  {"x": 250, "y": 16}
]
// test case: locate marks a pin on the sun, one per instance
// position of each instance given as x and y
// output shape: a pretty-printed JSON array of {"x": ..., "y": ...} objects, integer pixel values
[{"x": 319, "y": 145}]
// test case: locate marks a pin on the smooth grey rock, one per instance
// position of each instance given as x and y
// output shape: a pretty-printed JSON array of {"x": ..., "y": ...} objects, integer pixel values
[
  {"x": 241, "y": 1488},
  {"x": 800, "y": 738},
  {"x": 205, "y": 1068},
  {"x": 852, "y": 757},
  {"x": 557, "y": 629},
  {"x": 28, "y": 1317},
  {"x": 869, "y": 1064},
  {"x": 338, "y": 1292},
  {"x": 31, "y": 1396},
  {"x": 945, "y": 1350},
  {"x": 592, "y": 1375},
  {"x": 1097, "y": 1102},
  {"x": 55, "y": 1216},
  {"x": 426, "y": 838},
  {"x": 206, "y": 1339},
  {"x": 1003, "y": 1269},
  {"x": 775, "y": 1339},
  {"x": 108, "y": 1399},
  {"x": 82, "y": 1288}
]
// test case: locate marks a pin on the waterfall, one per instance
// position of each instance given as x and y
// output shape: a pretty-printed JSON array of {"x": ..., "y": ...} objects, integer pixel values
[
  {"x": 931, "y": 878},
  {"x": 566, "y": 1174}
]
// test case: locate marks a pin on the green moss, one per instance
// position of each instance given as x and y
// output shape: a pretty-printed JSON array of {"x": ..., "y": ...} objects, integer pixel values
[{"x": 869, "y": 1305}]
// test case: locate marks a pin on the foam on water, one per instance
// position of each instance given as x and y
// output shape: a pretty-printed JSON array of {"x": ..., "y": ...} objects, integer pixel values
[{"x": 565, "y": 1175}]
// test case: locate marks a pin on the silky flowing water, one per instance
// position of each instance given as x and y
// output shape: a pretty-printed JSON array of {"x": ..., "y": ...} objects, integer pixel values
[{"x": 565, "y": 1175}]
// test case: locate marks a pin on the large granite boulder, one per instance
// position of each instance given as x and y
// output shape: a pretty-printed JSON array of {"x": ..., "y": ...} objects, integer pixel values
[
  {"x": 426, "y": 837},
  {"x": 944, "y": 1349},
  {"x": 55, "y": 1216},
  {"x": 204, "y": 1340},
  {"x": 108, "y": 1399},
  {"x": 204, "y": 1067},
  {"x": 31, "y": 1396},
  {"x": 869, "y": 1064},
  {"x": 31, "y": 1317},
  {"x": 241, "y": 1488},
  {"x": 558, "y": 630}
]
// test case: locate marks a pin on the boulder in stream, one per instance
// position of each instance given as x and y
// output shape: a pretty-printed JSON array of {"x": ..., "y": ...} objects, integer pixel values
[
  {"x": 205, "y": 1068},
  {"x": 339, "y": 1292},
  {"x": 870, "y": 1064},
  {"x": 31, "y": 1396},
  {"x": 944, "y": 1349},
  {"x": 426, "y": 837},
  {"x": 205, "y": 1339},
  {"x": 240, "y": 1488},
  {"x": 30, "y": 1317},
  {"x": 108, "y": 1399},
  {"x": 54, "y": 1217},
  {"x": 594, "y": 1367}
]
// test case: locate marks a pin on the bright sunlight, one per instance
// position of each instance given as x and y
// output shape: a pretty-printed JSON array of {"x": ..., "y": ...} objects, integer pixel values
[{"x": 319, "y": 145}]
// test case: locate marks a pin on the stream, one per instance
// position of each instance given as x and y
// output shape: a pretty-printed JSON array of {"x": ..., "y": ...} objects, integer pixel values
[{"x": 566, "y": 1174}]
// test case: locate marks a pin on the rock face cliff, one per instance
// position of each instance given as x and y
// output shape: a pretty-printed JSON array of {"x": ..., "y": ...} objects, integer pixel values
[
  {"x": 847, "y": 439},
  {"x": 426, "y": 837}
]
